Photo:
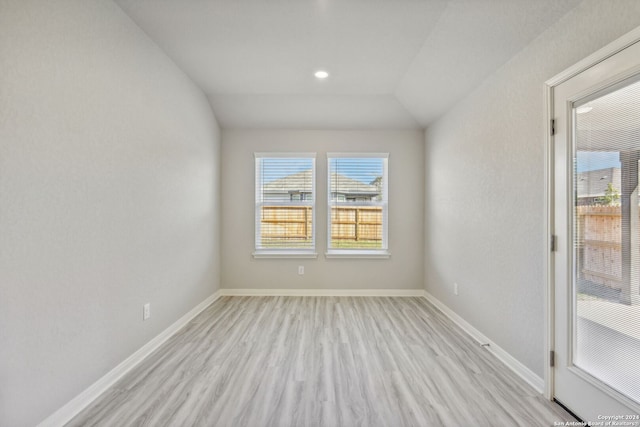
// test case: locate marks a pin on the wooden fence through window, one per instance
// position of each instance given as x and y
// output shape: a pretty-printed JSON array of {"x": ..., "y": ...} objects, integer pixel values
[
  {"x": 291, "y": 223},
  {"x": 356, "y": 223},
  {"x": 599, "y": 246},
  {"x": 286, "y": 223}
]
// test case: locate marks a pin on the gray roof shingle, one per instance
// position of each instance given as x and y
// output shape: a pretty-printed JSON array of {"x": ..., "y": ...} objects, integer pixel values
[{"x": 302, "y": 182}]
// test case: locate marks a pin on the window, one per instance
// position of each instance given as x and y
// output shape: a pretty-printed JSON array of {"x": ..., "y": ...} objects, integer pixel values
[
  {"x": 358, "y": 204},
  {"x": 285, "y": 205}
]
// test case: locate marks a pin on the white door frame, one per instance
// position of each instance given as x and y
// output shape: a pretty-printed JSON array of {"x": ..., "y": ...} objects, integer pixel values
[{"x": 597, "y": 57}]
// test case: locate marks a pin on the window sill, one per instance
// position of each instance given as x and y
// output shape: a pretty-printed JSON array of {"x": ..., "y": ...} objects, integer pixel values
[
  {"x": 284, "y": 254},
  {"x": 363, "y": 254}
]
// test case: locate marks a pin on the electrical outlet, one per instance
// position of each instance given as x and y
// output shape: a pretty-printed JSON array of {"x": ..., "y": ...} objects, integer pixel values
[
  {"x": 146, "y": 311},
  {"x": 301, "y": 270},
  {"x": 455, "y": 288}
]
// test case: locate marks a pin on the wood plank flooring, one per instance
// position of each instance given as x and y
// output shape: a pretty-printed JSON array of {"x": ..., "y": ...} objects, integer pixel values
[{"x": 321, "y": 361}]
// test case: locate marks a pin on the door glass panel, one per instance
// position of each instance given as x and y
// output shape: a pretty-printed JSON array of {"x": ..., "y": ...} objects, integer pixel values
[{"x": 606, "y": 231}]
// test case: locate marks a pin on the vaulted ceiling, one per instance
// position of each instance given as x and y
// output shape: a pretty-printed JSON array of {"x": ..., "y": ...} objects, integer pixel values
[{"x": 393, "y": 64}]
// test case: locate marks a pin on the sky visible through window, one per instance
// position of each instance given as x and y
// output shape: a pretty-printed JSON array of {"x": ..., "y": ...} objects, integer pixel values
[
  {"x": 366, "y": 170},
  {"x": 594, "y": 160},
  {"x": 362, "y": 169},
  {"x": 275, "y": 168}
]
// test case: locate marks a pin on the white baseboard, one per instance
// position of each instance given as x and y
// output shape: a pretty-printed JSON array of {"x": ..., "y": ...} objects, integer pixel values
[
  {"x": 512, "y": 363},
  {"x": 324, "y": 292},
  {"x": 81, "y": 401}
]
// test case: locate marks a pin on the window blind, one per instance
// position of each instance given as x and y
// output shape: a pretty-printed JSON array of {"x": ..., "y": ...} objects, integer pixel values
[
  {"x": 606, "y": 247},
  {"x": 285, "y": 202},
  {"x": 358, "y": 201}
]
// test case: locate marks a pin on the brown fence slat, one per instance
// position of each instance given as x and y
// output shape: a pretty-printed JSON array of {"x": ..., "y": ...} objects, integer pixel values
[
  {"x": 598, "y": 239},
  {"x": 347, "y": 222}
]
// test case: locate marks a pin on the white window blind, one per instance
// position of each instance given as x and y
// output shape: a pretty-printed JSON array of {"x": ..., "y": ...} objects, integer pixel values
[
  {"x": 606, "y": 248},
  {"x": 285, "y": 203},
  {"x": 358, "y": 203}
]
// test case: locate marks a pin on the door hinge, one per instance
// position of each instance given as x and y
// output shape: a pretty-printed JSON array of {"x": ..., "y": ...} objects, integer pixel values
[
  {"x": 554, "y": 243},
  {"x": 553, "y": 127},
  {"x": 552, "y": 358}
]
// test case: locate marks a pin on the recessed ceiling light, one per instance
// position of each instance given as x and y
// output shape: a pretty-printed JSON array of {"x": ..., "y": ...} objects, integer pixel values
[
  {"x": 321, "y": 74},
  {"x": 584, "y": 109}
]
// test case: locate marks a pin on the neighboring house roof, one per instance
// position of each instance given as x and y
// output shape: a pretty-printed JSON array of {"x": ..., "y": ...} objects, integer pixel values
[
  {"x": 345, "y": 185},
  {"x": 302, "y": 182},
  {"x": 594, "y": 183}
]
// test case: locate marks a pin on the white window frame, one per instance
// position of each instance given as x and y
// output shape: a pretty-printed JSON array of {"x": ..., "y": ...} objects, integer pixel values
[
  {"x": 260, "y": 252},
  {"x": 360, "y": 253}
]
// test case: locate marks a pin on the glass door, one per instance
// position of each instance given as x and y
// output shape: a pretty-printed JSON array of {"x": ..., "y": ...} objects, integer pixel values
[{"x": 597, "y": 271}]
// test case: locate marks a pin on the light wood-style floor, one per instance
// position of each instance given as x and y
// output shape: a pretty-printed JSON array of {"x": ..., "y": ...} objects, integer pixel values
[{"x": 321, "y": 361}]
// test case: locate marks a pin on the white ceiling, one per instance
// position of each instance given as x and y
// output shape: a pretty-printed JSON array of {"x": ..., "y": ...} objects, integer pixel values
[{"x": 393, "y": 63}]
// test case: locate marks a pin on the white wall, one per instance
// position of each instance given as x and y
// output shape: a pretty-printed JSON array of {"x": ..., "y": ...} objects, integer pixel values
[
  {"x": 484, "y": 223},
  {"x": 108, "y": 198},
  {"x": 406, "y": 204}
]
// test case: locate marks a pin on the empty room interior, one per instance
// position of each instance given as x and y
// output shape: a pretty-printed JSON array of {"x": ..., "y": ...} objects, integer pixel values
[{"x": 319, "y": 212}]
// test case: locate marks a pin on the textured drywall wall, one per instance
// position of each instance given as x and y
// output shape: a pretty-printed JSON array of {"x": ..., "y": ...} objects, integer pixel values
[
  {"x": 108, "y": 198},
  {"x": 484, "y": 214},
  {"x": 406, "y": 203}
]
